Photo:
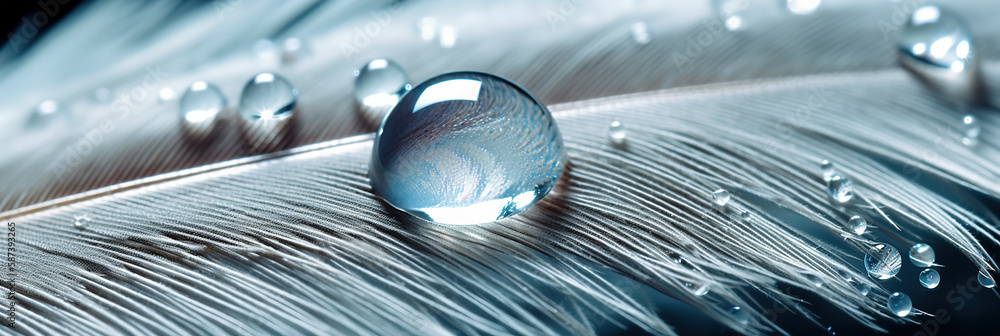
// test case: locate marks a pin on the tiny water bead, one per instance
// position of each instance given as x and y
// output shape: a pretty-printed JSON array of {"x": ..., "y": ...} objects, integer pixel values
[
  {"x": 267, "y": 108},
  {"x": 640, "y": 33},
  {"x": 745, "y": 215},
  {"x": 937, "y": 46},
  {"x": 862, "y": 288},
  {"x": 200, "y": 106},
  {"x": 929, "y": 278},
  {"x": 739, "y": 315},
  {"x": 814, "y": 279},
  {"x": 466, "y": 148},
  {"x": 616, "y": 133},
  {"x": 840, "y": 189},
  {"x": 45, "y": 113},
  {"x": 720, "y": 197},
  {"x": 922, "y": 255},
  {"x": 900, "y": 304},
  {"x": 827, "y": 169},
  {"x": 292, "y": 50},
  {"x": 882, "y": 261},
  {"x": 731, "y": 12},
  {"x": 81, "y": 222},
  {"x": 857, "y": 224},
  {"x": 378, "y": 86},
  {"x": 970, "y": 130},
  {"x": 986, "y": 280},
  {"x": 696, "y": 289}
]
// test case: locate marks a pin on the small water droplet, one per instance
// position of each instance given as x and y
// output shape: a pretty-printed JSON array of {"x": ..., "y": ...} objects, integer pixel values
[
  {"x": 900, "y": 304},
  {"x": 267, "y": 108},
  {"x": 378, "y": 86},
  {"x": 929, "y": 278},
  {"x": 739, "y": 315},
  {"x": 616, "y": 133},
  {"x": 448, "y": 36},
  {"x": 45, "y": 113},
  {"x": 803, "y": 7},
  {"x": 883, "y": 261},
  {"x": 81, "y": 222},
  {"x": 697, "y": 290},
  {"x": 845, "y": 275},
  {"x": 840, "y": 189},
  {"x": 830, "y": 331},
  {"x": 986, "y": 280},
  {"x": 814, "y": 279},
  {"x": 427, "y": 27},
  {"x": 922, "y": 255},
  {"x": 731, "y": 12},
  {"x": 720, "y": 197},
  {"x": 292, "y": 50},
  {"x": 489, "y": 148},
  {"x": 166, "y": 94},
  {"x": 745, "y": 215},
  {"x": 936, "y": 46},
  {"x": 857, "y": 224},
  {"x": 863, "y": 289},
  {"x": 827, "y": 169},
  {"x": 640, "y": 33},
  {"x": 199, "y": 107},
  {"x": 970, "y": 130},
  {"x": 265, "y": 50}
]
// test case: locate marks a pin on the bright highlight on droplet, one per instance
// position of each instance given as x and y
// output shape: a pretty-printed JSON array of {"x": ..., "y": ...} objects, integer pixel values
[
  {"x": 466, "y": 148},
  {"x": 379, "y": 86},
  {"x": 882, "y": 261},
  {"x": 616, "y": 133},
  {"x": 986, "y": 280},
  {"x": 827, "y": 169},
  {"x": 929, "y": 278},
  {"x": 720, "y": 197},
  {"x": 166, "y": 94},
  {"x": 900, "y": 304},
  {"x": 81, "y": 222},
  {"x": 922, "y": 255},
  {"x": 970, "y": 130}
]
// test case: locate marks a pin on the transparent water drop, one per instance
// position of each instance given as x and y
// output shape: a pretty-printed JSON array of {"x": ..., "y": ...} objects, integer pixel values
[
  {"x": 827, "y": 169},
  {"x": 81, "y": 222},
  {"x": 378, "y": 86},
  {"x": 936, "y": 46},
  {"x": 745, "y": 215},
  {"x": 292, "y": 50},
  {"x": 986, "y": 280},
  {"x": 929, "y": 278},
  {"x": 970, "y": 130},
  {"x": 900, "y": 304},
  {"x": 696, "y": 289},
  {"x": 731, "y": 12},
  {"x": 199, "y": 107},
  {"x": 845, "y": 275},
  {"x": 840, "y": 189},
  {"x": 863, "y": 288},
  {"x": 739, "y": 315},
  {"x": 46, "y": 113},
  {"x": 267, "y": 109},
  {"x": 857, "y": 224},
  {"x": 720, "y": 197},
  {"x": 166, "y": 94},
  {"x": 814, "y": 279},
  {"x": 883, "y": 261},
  {"x": 466, "y": 148},
  {"x": 616, "y": 133},
  {"x": 640, "y": 33},
  {"x": 427, "y": 28},
  {"x": 448, "y": 36},
  {"x": 922, "y": 255},
  {"x": 265, "y": 49},
  {"x": 803, "y": 7}
]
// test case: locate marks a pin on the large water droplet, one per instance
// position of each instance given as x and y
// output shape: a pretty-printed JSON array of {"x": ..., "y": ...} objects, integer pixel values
[
  {"x": 200, "y": 106},
  {"x": 739, "y": 315},
  {"x": 267, "y": 110},
  {"x": 720, "y": 197},
  {"x": 46, "y": 113},
  {"x": 840, "y": 189},
  {"x": 616, "y": 133},
  {"x": 81, "y": 222},
  {"x": 922, "y": 255},
  {"x": 986, "y": 280},
  {"x": 900, "y": 304},
  {"x": 883, "y": 261},
  {"x": 936, "y": 46},
  {"x": 466, "y": 148},
  {"x": 378, "y": 86},
  {"x": 930, "y": 278},
  {"x": 640, "y": 33},
  {"x": 970, "y": 130},
  {"x": 827, "y": 169},
  {"x": 857, "y": 224}
]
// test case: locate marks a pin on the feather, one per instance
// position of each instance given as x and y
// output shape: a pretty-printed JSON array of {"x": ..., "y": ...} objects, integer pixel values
[{"x": 217, "y": 239}]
